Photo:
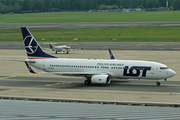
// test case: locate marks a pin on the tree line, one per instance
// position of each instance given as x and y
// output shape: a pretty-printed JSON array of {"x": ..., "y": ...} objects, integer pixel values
[{"x": 18, "y": 6}]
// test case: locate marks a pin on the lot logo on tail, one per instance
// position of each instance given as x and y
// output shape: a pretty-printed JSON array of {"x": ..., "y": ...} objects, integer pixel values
[
  {"x": 33, "y": 49},
  {"x": 30, "y": 44}
]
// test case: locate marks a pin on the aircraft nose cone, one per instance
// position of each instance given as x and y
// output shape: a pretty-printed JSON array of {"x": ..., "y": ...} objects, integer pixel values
[{"x": 171, "y": 73}]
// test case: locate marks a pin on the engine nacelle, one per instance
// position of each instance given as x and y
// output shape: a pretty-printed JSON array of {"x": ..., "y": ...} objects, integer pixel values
[{"x": 100, "y": 79}]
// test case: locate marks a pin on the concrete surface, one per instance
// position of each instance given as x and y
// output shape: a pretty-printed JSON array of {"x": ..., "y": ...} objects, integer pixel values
[{"x": 15, "y": 80}]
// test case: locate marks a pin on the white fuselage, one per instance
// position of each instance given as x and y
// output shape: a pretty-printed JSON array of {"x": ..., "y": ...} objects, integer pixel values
[{"x": 124, "y": 69}]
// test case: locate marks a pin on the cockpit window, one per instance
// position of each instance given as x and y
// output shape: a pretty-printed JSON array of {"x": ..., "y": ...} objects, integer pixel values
[{"x": 164, "y": 68}]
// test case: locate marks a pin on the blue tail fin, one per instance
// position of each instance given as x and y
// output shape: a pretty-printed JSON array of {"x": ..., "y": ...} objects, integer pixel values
[
  {"x": 33, "y": 49},
  {"x": 111, "y": 55}
]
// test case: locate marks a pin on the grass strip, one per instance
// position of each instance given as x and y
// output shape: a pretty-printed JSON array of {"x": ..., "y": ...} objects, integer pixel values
[
  {"x": 122, "y": 34},
  {"x": 58, "y": 17}
]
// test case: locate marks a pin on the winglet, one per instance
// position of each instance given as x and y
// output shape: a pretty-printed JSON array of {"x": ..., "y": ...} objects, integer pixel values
[
  {"x": 30, "y": 69},
  {"x": 111, "y": 55}
]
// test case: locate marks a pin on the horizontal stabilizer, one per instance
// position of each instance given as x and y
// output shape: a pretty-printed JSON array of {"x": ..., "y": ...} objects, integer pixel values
[
  {"x": 14, "y": 60},
  {"x": 30, "y": 69}
]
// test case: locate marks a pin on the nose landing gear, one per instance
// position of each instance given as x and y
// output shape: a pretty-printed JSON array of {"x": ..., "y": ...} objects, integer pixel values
[{"x": 158, "y": 82}]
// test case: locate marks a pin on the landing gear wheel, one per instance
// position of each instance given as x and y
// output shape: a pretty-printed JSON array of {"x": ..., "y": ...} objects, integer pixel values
[
  {"x": 87, "y": 82},
  {"x": 67, "y": 52},
  {"x": 158, "y": 83},
  {"x": 56, "y": 52}
]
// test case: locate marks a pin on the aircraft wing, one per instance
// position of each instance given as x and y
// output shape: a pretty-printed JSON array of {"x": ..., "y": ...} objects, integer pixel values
[
  {"x": 50, "y": 43},
  {"x": 76, "y": 49},
  {"x": 46, "y": 48},
  {"x": 71, "y": 73},
  {"x": 14, "y": 60},
  {"x": 78, "y": 74}
]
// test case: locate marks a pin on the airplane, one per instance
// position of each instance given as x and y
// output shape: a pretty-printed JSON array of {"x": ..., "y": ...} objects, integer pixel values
[
  {"x": 96, "y": 71},
  {"x": 61, "y": 48}
]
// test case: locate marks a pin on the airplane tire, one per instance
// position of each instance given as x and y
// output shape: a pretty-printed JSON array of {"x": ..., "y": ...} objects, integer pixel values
[
  {"x": 158, "y": 83},
  {"x": 67, "y": 52},
  {"x": 56, "y": 52},
  {"x": 87, "y": 82}
]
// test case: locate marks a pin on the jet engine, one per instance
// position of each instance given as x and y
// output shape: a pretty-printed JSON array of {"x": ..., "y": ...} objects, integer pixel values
[{"x": 100, "y": 79}]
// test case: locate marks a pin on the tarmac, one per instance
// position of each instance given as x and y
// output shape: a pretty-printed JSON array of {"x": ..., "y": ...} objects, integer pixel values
[
  {"x": 12, "y": 26},
  {"x": 16, "y": 81}
]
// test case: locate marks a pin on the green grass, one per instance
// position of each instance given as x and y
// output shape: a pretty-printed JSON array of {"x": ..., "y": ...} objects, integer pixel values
[
  {"x": 122, "y": 34},
  {"x": 58, "y": 17}
]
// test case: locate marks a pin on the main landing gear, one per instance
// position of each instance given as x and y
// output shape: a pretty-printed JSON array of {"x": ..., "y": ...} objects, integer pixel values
[{"x": 87, "y": 82}]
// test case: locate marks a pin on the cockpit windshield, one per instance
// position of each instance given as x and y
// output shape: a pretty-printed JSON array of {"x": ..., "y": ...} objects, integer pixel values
[{"x": 164, "y": 68}]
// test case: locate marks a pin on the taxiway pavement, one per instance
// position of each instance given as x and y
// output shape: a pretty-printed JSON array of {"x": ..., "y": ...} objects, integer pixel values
[
  {"x": 16, "y": 81},
  {"x": 142, "y": 46}
]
